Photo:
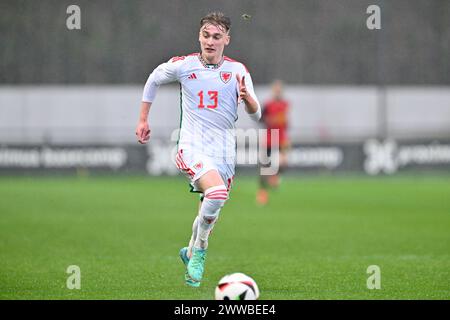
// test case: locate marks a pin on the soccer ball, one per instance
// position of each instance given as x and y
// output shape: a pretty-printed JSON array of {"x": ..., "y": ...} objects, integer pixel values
[{"x": 237, "y": 286}]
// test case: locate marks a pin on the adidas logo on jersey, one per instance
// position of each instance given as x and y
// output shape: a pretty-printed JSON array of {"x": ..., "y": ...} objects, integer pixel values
[{"x": 192, "y": 76}]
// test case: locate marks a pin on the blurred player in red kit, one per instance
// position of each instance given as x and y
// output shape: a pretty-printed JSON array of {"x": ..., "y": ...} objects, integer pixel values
[{"x": 275, "y": 115}]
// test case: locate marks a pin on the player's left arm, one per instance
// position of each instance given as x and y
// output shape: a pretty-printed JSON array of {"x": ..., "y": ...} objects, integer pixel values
[{"x": 247, "y": 95}]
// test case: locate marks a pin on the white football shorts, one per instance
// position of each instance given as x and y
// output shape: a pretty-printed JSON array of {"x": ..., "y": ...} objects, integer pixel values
[{"x": 195, "y": 164}]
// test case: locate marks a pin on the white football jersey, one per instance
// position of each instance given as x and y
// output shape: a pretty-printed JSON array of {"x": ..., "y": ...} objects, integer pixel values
[{"x": 209, "y": 101}]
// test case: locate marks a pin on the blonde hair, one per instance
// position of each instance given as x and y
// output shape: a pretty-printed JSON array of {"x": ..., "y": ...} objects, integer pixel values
[{"x": 216, "y": 19}]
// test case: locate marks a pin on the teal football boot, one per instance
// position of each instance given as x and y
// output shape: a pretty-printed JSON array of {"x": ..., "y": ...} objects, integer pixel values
[
  {"x": 185, "y": 259},
  {"x": 196, "y": 264}
]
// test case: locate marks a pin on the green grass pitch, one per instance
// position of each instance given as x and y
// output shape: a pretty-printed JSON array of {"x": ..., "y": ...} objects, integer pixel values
[{"x": 314, "y": 240}]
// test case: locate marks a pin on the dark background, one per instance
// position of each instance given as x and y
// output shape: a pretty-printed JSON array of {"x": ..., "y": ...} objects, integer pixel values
[{"x": 302, "y": 42}]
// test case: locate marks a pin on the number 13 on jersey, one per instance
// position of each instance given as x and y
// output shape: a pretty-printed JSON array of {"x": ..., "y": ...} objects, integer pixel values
[{"x": 212, "y": 96}]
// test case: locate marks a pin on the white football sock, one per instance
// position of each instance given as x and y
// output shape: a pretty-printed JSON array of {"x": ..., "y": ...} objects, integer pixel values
[
  {"x": 194, "y": 235},
  {"x": 213, "y": 201}
]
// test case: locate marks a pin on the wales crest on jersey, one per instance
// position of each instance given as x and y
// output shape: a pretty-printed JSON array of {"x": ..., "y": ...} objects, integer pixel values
[{"x": 225, "y": 76}]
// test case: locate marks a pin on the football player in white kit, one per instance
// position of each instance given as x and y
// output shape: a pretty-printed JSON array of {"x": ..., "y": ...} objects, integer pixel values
[{"x": 212, "y": 87}]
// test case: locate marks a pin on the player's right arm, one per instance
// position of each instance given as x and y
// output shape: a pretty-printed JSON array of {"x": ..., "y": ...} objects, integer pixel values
[
  {"x": 164, "y": 73},
  {"x": 142, "y": 129}
]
